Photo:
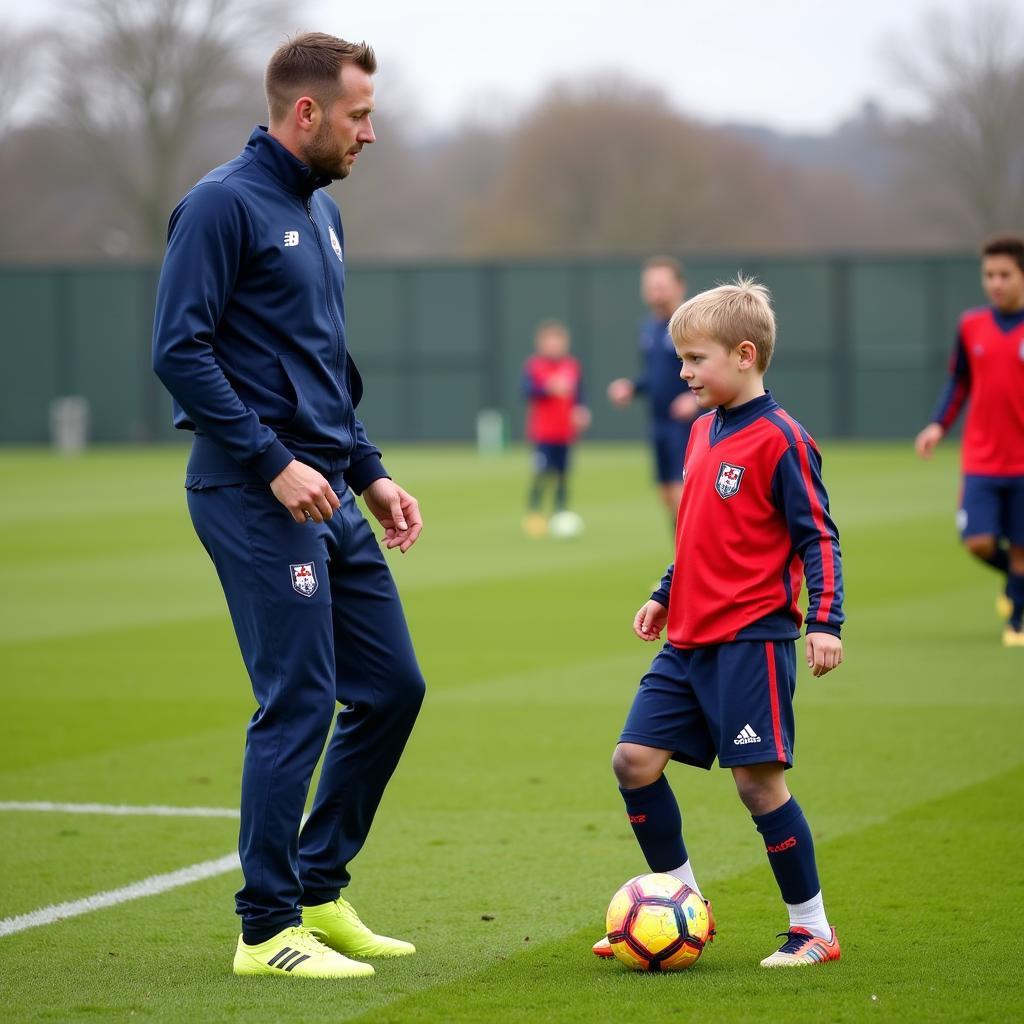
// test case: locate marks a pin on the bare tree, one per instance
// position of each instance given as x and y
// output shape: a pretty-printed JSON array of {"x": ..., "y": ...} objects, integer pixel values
[
  {"x": 15, "y": 51},
  {"x": 967, "y": 151},
  {"x": 152, "y": 89},
  {"x": 661, "y": 180}
]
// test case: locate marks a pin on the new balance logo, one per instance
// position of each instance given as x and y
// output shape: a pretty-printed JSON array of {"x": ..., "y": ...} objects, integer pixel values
[
  {"x": 637, "y": 819},
  {"x": 291, "y": 238},
  {"x": 287, "y": 958},
  {"x": 786, "y": 844},
  {"x": 746, "y": 735}
]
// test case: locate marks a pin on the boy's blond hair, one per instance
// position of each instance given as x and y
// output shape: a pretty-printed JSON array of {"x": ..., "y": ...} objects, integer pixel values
[{"x": 729, "y": 314}]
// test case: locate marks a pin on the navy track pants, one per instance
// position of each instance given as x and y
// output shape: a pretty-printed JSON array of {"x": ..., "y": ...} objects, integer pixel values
[{"x": 318, "y": 620}]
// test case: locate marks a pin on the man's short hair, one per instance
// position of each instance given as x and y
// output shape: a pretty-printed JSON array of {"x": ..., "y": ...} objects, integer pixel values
[
  {"x": 729, "y": 314},
  {"x": 1005, "y": 245},
  {"x": 310, "y": 64},
  {"x": 669, "y": 263}
]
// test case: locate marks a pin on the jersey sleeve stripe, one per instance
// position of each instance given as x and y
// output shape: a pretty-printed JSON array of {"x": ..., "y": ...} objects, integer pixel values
[{"x": 828, "y": 590}]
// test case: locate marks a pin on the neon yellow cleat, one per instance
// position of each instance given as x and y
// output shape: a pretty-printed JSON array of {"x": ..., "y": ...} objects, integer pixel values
[
  {"x": 1004, "y": 606},
  {"x": 1013, "y": 637},
  {"x": 801, "y": 949},
  {"x": 344, "y": 932},
  {"x": 535, "y": 525},
  {"x": 299, "y": 953}
]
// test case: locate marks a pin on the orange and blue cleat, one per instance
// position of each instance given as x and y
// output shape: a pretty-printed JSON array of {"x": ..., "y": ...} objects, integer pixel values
[
  {"x": 603, "y": 948},
  {"x": 801, "y": 949}
]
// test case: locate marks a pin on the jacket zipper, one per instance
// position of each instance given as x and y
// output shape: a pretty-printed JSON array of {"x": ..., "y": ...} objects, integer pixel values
[{"x": 327, "y": 287}]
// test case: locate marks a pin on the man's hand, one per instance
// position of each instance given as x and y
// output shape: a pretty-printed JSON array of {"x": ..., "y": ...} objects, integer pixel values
[
  {"x": 620, "y": 391},
  {"x": 304, "y": 492},
  {"x": 824, "y": 653},
  {"x": 684, "y": 406},
  {"x": 397, "y": 511},
  {"x": 925, "y": 442},
  {"x": 650, "y": 621}
]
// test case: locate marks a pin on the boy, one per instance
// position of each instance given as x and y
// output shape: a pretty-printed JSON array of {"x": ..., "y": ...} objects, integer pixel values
[
  {"x": 988, "y": 367},
  {"x": 553, "y": 387},
  {"x": 753, "y": 516}
]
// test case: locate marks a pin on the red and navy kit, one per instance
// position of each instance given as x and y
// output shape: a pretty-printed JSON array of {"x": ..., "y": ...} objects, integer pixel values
[
  {"x": 987, "y": 367},
  {"x": 987, "y": 371},
  {"x": 549, "y": 419},
  {"x": 753, "y": 521}
]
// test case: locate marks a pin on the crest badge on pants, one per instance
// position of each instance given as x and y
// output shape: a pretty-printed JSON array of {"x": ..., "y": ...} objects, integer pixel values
[
  {"x": 304, "y": 579},
  {"x": 729, "y": 477}
]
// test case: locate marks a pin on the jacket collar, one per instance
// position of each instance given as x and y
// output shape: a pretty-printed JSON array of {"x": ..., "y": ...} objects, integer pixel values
[
  {"x": 741, "y": 415},
  {"x": 289, "y": 170}
]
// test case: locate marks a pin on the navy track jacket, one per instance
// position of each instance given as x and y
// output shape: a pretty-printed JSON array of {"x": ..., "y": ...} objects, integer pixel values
[
  {"x": 249, "y": 336},
  {"x": 659, "y": 379}
]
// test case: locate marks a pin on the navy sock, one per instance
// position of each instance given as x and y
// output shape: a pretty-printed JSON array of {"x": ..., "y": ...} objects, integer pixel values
[
  {"x": 561, "y": 493},
  {"x": 254, "y": 936},
  {"x": 999, "y": 560},
  {"x": 536, "y": 492},
  {"x": 657, "y": 824},
  {"x": 1015, "y": 592},
  {"x": 790, "y": 847}
]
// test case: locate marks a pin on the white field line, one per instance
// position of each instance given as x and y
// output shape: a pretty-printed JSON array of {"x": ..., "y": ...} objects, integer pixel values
[
  {"x": 147, "y": 887},
  {"x": 151, "y": 886},
  {"x": 155, "y": 810}
]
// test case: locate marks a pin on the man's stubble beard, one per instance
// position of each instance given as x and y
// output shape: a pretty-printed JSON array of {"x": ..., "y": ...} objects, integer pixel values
[{"x": 319, "y": 152}]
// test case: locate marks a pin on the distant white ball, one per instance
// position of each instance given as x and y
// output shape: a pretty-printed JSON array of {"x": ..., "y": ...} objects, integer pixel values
[{"x": 565, "y": 525}]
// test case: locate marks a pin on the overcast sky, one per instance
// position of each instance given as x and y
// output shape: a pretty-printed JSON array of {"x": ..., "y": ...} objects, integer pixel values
[{"x": 789, "y": 64}]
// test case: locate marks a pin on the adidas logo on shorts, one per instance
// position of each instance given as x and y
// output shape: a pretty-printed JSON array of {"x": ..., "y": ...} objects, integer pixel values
[{"x": 746, "y": 735}]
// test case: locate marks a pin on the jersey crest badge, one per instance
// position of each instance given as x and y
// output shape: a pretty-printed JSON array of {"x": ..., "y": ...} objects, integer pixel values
[
  {"x": 728, "y": 481},
  {"x": 335, "y": 244},
  {"x": 304, "y": 579}
]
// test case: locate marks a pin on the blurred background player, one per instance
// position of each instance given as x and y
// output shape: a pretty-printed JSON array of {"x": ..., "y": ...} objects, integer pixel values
[
  {"x": 672, "y": 407},
  {"x": 553, "y": 388},
  {"x": 988, "y": 369}
]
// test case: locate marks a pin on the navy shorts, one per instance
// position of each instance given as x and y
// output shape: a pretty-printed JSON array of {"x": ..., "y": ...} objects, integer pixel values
[
  {"x": 551, "y": 458},
  {"x": 992, "y": 505},
  {"x": 732, "y": 700},
  {"x": 669, "y": 438}
]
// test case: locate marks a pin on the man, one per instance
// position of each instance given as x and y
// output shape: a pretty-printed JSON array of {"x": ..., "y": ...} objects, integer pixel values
[
  {"x": 672, "y": 407},
  {"x": 988, "y": 367},
  {"x": 250, "y": 341}
]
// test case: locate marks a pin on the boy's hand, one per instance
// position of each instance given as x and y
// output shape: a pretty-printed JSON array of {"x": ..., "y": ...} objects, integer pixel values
[
  {"x": 650, "y": 621},
  {"x": 580, "y": 417},
  {"x": 824, "y": 653}
]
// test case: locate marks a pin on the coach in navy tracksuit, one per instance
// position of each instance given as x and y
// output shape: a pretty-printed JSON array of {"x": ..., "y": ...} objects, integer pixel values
[
  {"x": 250, "y": 340},
  {"x": 672, "y": 407}
]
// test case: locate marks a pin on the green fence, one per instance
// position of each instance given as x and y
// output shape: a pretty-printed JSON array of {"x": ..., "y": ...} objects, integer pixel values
[{"x": 862, "y": 352}]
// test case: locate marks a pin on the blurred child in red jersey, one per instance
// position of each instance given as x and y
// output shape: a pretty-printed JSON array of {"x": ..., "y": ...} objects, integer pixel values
[{"x": 556, "y": 415}]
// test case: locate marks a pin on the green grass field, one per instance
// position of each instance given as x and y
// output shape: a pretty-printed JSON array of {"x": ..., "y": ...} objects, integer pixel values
[{"x": 121, "y": 684}]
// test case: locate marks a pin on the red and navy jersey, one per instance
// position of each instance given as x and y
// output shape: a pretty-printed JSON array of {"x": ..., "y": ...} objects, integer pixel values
[
  {"x": 549, "y": 418},
  {"x": 753, "y": 521},
  {"x": 988, "y": 369}
]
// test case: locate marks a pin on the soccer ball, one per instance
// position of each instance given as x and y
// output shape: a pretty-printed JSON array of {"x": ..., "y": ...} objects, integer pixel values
[
  {"x": 657, "y": 923},
  {"x": 565, "y": 525}
]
